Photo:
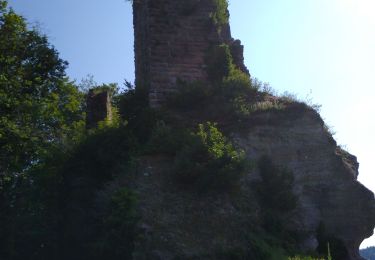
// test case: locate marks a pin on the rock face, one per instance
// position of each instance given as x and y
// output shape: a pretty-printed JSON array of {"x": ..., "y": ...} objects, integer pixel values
[
  {"x": 171, "y": 41},
  {"x": 177, "y": 224},
  {"x": 325, "y": 175},
  {"x": 98, "y": 108}
]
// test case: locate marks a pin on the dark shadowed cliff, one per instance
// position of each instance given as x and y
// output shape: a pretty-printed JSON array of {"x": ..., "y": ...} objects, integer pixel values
[{"x": 197, "y": 161}]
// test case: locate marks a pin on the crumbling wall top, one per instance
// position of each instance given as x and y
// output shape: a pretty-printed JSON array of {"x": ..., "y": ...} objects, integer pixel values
[
  {"x": 98, "y": 107},
  {"x": 172, "y": 39}
]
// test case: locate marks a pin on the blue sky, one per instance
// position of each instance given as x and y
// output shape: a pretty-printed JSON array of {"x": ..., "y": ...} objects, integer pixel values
[{"x": 323, "y": 49}]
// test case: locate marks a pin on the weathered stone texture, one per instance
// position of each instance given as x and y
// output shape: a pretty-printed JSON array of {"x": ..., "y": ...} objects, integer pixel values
[
  {"x": 172, "y": 39},
  {"x": 325, "y": 176},
  {"x": 98, "y": 108},
  {"x": 171, "y": 42},
  {"x": 177, "y": 224}
]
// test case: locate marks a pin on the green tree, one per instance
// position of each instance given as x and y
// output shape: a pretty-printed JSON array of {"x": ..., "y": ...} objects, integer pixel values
[
  {"x": 41, "y": 116},
  {"x": 39, "y": 107}
]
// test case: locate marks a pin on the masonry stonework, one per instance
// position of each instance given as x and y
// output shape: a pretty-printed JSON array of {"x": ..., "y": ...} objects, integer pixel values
[
  {"x": 171, "y": 41},
  {"x": 98, "y": 108}
]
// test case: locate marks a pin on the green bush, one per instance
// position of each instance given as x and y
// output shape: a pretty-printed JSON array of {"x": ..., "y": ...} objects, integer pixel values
[
  {"x": 189, "y": 95},
  {"x": 30, "y": 212},
  {"x": 237, "y": 83},
  {"x": 135, "y": 112},
  {"x": 98, "y": 156},
  {"x": 230, "y": 92},
  {"x": 224, "y": 74},
  {"x": 219, "y": 63},
  {"x": 166, "y": 140},
  {"x": 131, "y": 102},
  {"x": 116, "y": 240},
  {"x": 220, "y": 16},
  {"x": 208, "y": 161},
  {"x": 238, "y": 92},
  {"x": 101, "y": 158}
]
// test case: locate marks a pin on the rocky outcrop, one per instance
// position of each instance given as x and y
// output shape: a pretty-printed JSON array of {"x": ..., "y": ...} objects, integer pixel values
[
  {"x": 171, "y": 41},
  {"x": 325, "y": 175},
  {"x": 180, "y": 224}
]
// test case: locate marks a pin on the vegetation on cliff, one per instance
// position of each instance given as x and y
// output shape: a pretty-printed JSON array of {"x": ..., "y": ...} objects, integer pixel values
[
  {"x": 68, "y": 193},
  {"x": 220, "y": 16}
]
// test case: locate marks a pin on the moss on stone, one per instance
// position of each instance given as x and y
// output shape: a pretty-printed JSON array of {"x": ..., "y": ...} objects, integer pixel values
[{"x": 220, "y": 16}]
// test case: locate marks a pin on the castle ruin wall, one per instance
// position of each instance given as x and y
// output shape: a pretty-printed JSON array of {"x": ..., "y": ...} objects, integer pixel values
[{"x": 172, "y": 38}]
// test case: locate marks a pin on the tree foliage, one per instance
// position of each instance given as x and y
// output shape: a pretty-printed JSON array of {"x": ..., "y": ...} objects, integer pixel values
[
  {"x": 62, "y": 189},
  {"x": 39, "y": 106},
  {"x": 207, "y": 160},
  {"x": 40, "y": 117}
]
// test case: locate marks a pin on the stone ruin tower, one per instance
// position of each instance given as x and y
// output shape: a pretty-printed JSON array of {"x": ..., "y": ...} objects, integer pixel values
[
  {"x": 172, "y": 38},
  {"x": 98, "y": 107}
]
